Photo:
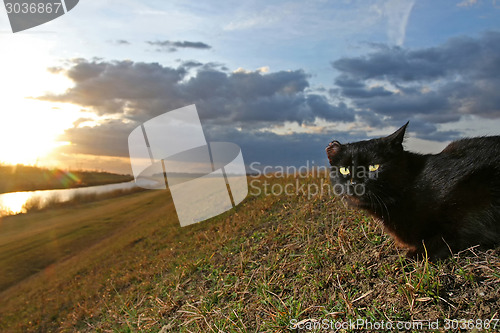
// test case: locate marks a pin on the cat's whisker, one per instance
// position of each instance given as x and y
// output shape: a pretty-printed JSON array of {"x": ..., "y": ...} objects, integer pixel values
[
  {"x": 379, "y": 203},
  {"x": 385, "y": 206}
]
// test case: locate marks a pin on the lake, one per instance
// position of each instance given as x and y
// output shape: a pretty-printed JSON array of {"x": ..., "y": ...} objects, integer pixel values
[{"x": 14, "y": 202}]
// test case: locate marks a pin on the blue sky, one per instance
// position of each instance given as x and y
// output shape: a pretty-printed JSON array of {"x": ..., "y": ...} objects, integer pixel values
[{"x": 279, "y": 78}]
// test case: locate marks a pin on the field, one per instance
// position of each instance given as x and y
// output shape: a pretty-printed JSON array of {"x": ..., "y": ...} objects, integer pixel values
[
  {"x": 19, "y": 177},
  {"x": 275, "y": 261}
]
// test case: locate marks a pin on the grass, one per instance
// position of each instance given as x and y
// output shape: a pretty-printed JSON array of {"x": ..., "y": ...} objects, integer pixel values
[
  {"x": 14, "y": 178},
  {"x": 29, "y": 243},
  {"x": 271, "y": 262}
]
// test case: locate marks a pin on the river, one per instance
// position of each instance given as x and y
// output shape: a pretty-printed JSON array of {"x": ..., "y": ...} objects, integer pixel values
[{"x": 15, "y": 202}]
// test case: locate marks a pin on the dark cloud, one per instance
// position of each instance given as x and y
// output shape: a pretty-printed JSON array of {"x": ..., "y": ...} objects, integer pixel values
[
  {"x": 365, "y": 92},
  {"x": 429, "y": 131},
  {"x": 267, "y": 148},
  {"x": 191, "y": 64},
  {"x": 170, "y": 46},
  {"x": 324, "y": 110},
  {"x": 237, "y": 107},
  {"x": 271, "y": 149},
  {"x": 140, "y": 91},
  {"x": 108, "y": 138},
  {"x": 121, "y": 87},
  {"x": 430, "y": 86},
  {"x": 194, "y": 45}
]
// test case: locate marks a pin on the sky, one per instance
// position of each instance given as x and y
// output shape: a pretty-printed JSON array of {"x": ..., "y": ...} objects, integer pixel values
[{"x": 279, "y": 78}]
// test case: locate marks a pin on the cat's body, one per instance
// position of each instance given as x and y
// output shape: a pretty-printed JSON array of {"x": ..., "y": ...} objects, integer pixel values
[{"x": 448, "y": 201}]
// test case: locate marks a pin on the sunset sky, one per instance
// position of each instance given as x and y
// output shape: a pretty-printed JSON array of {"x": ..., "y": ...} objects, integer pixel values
[{"x": 279, "y": 78}]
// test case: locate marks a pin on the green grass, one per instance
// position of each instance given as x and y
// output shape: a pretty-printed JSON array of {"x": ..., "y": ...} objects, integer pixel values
[
  {"x": 270, "y": 262},
  {"x": 20, "y": 177}
]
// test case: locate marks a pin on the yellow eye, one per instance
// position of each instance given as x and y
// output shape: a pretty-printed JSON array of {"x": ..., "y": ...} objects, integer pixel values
[
  {"x": 373, "y": 167},
  {"x": 344, "y": 171}
]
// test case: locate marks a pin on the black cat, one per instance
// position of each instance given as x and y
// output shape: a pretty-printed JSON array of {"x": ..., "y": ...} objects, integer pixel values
[{"x": 440, "y": 203}]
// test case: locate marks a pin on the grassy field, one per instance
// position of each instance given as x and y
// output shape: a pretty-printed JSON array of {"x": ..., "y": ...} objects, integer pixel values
[
  {"x": 19, "y": 177},
  {"x": 125, "y": 265}
]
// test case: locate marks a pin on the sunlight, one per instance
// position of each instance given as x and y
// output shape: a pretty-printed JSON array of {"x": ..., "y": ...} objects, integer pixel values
[
  {"x": 30, "y": 131},
  {"x": 13, "y": 203},
  {"x": 30, "y": 127}
]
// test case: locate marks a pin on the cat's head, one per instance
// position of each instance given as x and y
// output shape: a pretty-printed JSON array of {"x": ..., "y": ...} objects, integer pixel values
[{"x": 366, "y": 172}]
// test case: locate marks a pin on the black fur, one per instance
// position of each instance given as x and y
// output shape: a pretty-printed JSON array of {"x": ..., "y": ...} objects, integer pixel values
[{"x": 448, "y": 201}]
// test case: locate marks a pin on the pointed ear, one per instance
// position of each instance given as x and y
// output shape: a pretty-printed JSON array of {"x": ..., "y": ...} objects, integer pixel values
[
  {"x": 397, "y": 137},
  {"x": 332, "y": 150}
]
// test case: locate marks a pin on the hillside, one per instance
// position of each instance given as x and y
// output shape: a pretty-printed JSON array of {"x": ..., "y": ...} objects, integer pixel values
[
  {"x": 20, "y": 177},
  {"x": 272, "y": 262}
]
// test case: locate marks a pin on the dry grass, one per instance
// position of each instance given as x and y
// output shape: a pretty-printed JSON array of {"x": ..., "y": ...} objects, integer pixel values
[{"x": 271, "y": 262}]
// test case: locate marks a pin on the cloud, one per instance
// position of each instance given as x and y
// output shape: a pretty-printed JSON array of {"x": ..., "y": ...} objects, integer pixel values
[
  {"x": 269, "y": 148},
  {"x": 139, "y": 91},
  {"x": 121, "y": 42},
  {"x": 169, "y": 46},
  {"x": 109, "y": 138},
  {"x": 266, "y": 148},
  {"x": 244, "y": 104},
  {"x": 118, "y": 87},
  {"x": 398, "y": 14},
  {"x": 191, "y": 64},
  {"x": 434, "y": 85},
  {"x": 474, "y": 57}
]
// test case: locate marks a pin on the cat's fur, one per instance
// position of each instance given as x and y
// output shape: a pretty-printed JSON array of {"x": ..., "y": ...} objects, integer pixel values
[{"x": 446, "y": 202}]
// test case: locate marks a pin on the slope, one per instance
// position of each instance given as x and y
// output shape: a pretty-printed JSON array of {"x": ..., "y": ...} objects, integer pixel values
[{"x": 273, "y": 262}]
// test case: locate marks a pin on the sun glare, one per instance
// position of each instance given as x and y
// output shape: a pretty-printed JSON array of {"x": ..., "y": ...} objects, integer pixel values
[
  {"x": 13, "y": 203},
  {"x": 30, "y": 131},
  {"x": 30, "y": 127}
]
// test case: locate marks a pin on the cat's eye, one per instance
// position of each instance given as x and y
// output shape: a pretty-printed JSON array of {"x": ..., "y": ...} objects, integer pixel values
[
  {"x": 344, "y": 171},
  {"x": 373, "y": 167}
]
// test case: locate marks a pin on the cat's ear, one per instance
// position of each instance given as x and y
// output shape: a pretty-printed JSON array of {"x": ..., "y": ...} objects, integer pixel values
[
  {"x": 333, "y": 149},
  {"x": 397, "y": 137}
]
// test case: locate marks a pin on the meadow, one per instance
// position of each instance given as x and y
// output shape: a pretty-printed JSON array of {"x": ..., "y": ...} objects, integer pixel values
[{"x": 279, "y": 262}]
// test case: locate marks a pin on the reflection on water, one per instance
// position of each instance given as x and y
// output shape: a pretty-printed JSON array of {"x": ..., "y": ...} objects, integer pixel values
[
  {"x": 13, "y": 203},
  {"x": 16, "y": 202}
]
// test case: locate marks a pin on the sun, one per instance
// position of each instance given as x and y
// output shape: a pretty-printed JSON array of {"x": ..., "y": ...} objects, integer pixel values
[
  {"x": 29, "y": 127},
  {"x": 30, "y": 130}
]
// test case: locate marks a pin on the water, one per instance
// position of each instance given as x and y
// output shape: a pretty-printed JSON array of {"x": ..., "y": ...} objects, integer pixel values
[{"x": 14, "y": 203}]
